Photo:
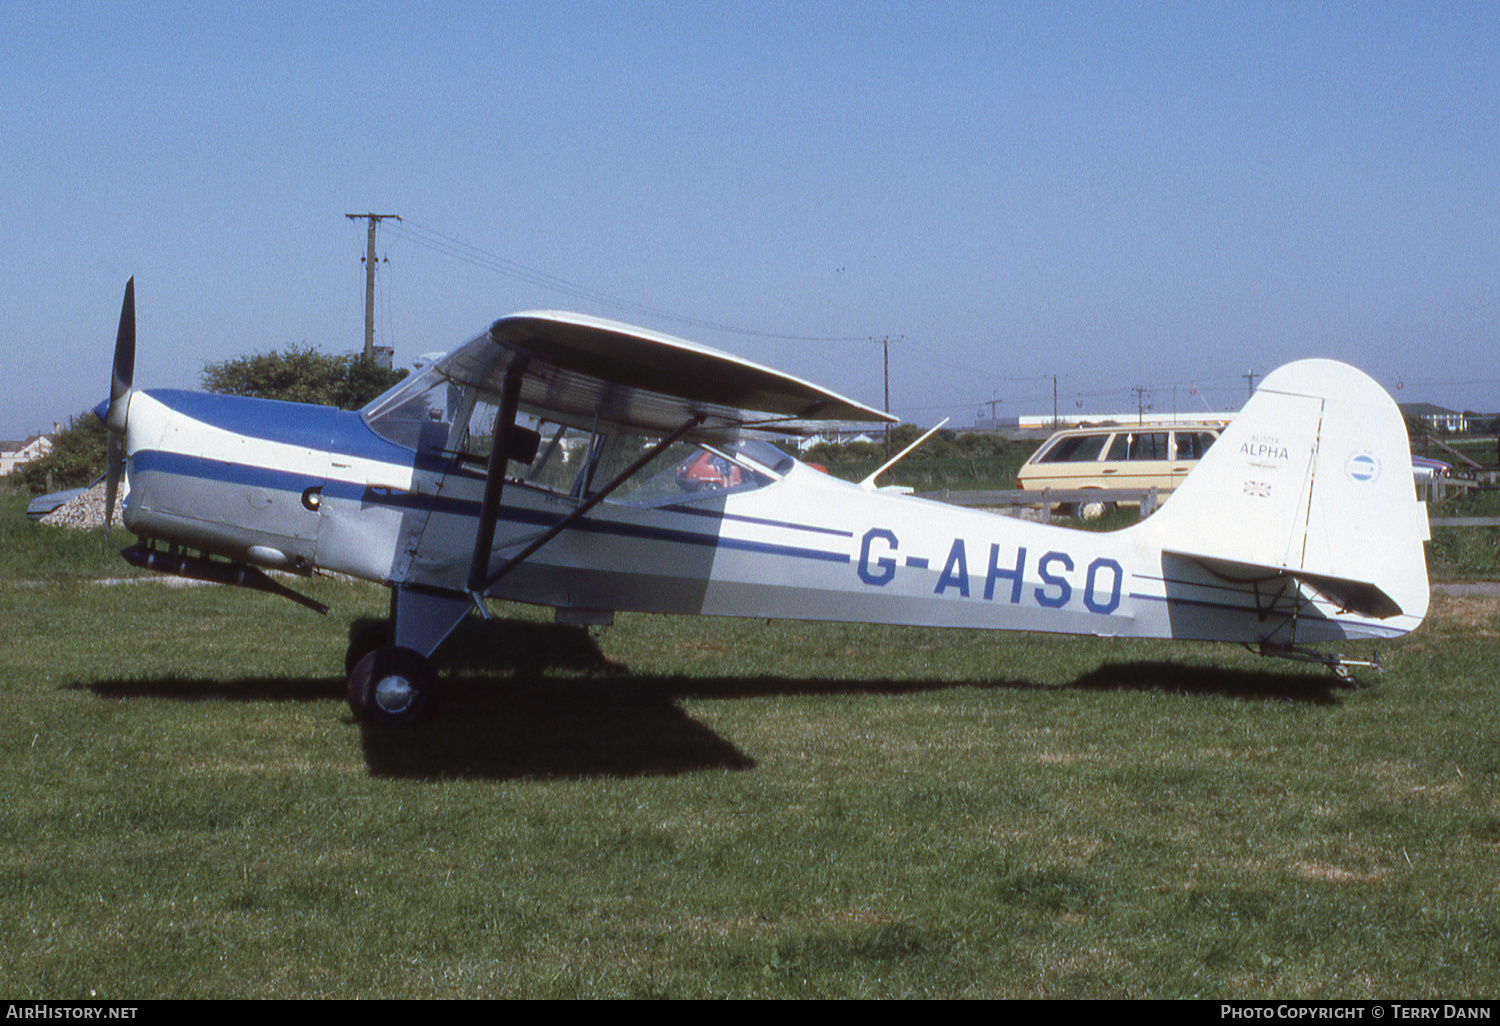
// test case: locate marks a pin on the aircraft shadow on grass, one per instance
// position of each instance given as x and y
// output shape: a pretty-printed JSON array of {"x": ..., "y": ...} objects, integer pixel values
[{"x": 532, "y": 700}]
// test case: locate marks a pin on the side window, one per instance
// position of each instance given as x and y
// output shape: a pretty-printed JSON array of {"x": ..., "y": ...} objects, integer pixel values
[
  {"x": 559, "y": 451},
  {"x": 690, "y": 471},
  {"x": 560, "y": 457},
  {"x": 1075, "y": 449},
  {"x": 1149, "y": 446},
  {"x": 1191, "y": 445}
]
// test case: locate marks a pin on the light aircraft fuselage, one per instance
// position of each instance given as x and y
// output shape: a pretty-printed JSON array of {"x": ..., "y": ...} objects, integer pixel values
[{"x": 633, "y": 488}]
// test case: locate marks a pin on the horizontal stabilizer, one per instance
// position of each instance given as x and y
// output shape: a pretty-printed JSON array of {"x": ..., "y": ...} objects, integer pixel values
[{"x": 1362, "y": 597}]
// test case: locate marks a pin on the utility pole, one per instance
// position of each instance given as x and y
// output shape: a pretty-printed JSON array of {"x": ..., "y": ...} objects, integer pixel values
[
  {"x": 1250, "y": 377},
  {"x": 1140, "y": 403},
  {"x": 885, "y": 345},
  {"x": 374, "y": 220}
]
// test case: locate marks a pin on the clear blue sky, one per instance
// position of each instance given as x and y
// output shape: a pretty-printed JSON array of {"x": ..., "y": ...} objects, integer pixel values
[{"x": 1160, "y": 195}]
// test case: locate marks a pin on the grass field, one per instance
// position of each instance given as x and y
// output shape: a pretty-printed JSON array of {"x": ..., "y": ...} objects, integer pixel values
[{"x": 691, "y": 808}]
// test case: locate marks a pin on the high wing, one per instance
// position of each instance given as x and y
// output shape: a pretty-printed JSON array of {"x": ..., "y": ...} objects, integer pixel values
[{"x": 578, "y": 367}]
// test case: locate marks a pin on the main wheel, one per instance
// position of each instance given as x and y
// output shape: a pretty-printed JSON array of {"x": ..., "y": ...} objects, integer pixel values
[
  {"x": 365, "y": 636},
  {"x": 392, "y": 687}
]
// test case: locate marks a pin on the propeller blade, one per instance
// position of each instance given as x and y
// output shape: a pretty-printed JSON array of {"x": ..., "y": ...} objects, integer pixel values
[
  {"x": 116, "y": 458},
  {"x": 124, "y": 368},
  {"x": 120, "y": 385}
]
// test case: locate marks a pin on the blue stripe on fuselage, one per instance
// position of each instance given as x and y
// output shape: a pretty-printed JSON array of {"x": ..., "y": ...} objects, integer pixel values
[
  {"x": 591, "y": 525},
  {"x": 320, "y": 428},
  {"x": 149, "y": 461},
  {"x": 178, "y": 464},
  {"x": 741, "y": 518}
]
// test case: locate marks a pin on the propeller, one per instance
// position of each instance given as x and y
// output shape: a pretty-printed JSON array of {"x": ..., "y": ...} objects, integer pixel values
[{"x": 119, "y": 401}]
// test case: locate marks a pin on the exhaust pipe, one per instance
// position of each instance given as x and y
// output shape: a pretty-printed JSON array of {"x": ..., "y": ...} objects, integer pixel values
[{"x": 214, "y": 571}]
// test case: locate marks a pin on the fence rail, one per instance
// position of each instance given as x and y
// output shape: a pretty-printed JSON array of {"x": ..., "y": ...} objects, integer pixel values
[
  {"x": 1441, "y": 487},
  {"x": 1051, "y": 498}
]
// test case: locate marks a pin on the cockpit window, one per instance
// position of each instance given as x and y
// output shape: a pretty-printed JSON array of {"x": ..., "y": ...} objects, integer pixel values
[
  {"x": 418, "y": 413},
  {"x": 431, "y": 414},
  {"x": 689, "y": 471}
]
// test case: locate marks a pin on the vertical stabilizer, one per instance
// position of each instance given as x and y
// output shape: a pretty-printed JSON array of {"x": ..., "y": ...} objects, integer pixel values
[{"x": 1312, "y": 479}]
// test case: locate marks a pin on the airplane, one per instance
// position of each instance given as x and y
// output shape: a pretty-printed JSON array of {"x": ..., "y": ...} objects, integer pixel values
[{"x": 567, "y": 461}]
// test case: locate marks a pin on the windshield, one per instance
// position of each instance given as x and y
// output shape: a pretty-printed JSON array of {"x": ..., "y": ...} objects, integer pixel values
[{"x": 418, "y": 412}]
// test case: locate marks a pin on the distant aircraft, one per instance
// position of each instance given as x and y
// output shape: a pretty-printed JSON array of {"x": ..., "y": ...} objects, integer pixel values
[{"x": 577, "y": 463}]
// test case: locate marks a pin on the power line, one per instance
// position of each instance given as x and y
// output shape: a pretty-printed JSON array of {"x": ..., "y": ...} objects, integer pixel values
[{"x": 462, "y": 251}]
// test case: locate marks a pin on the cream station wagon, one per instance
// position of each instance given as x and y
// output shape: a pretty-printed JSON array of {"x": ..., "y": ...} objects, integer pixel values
[{"x": 1132, "y": 457}]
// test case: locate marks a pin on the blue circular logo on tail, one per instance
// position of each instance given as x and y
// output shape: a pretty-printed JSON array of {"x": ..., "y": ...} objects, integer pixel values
[{"x": 1362, "y": 467}]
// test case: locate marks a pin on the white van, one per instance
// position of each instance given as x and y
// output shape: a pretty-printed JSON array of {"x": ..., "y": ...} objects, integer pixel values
[{"x": 1134, "y": 457}]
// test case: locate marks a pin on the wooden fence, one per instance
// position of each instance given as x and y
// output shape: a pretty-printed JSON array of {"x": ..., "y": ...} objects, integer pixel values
[{"x": 1048, "y": 499}]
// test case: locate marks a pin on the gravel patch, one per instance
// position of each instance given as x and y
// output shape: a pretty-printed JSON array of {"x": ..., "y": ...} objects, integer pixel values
[{"x": 84, "y": 512}]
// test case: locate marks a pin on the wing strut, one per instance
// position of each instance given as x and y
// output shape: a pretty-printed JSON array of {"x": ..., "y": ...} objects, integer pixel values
[
  {"x": 592, "y": 501},
  {"x": 494, "y": 478},
  {"x": 489, "y": 510}
]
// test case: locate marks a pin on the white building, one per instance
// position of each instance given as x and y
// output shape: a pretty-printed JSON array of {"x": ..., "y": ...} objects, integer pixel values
[{"x": 14, "y": 454}]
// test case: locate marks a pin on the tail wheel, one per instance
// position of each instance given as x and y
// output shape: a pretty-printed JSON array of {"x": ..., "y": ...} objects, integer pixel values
[{"x": 392, "y": 687}]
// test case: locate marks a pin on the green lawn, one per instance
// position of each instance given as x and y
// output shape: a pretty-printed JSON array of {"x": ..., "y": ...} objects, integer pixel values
[{"x": 693, "y": 808}]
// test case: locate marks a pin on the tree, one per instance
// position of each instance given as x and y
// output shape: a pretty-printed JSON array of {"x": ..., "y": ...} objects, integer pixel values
[
  {"x": 940, "y": 445},
  {"x": 302, "y": 374},
  {"x": 976, "y": 445},
  {"x": 77, "y": 457},
  {"x": 867, "y": 451}
]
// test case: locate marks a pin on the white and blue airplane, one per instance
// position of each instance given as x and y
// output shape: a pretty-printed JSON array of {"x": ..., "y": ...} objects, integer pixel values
[{"x": 593, "y": 467}]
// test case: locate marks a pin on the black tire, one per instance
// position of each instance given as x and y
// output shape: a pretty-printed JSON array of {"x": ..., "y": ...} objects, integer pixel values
[
  {"x": 392, "y": 687},
  {"x": 365, "y": 636}
]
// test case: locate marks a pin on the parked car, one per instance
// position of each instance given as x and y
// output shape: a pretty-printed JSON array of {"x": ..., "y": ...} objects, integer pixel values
[
  {"x": 1130, "y": 457},
  {"x": 1424, "y": 468}
]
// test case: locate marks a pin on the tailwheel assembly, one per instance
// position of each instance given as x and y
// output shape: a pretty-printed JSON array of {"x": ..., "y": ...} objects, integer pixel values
[{"x": 1341, "y": 667}]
